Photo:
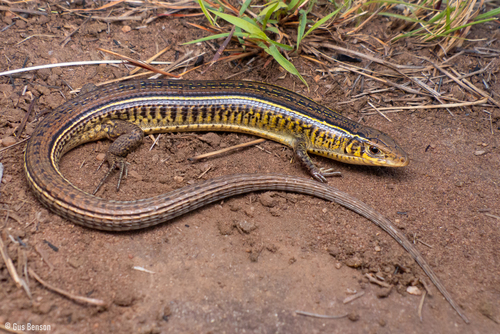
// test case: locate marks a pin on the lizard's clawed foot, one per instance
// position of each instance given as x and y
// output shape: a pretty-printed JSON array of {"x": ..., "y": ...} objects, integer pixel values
[
  {"x": 114, "y": 162},
  {"x": 322, "y": 173}
]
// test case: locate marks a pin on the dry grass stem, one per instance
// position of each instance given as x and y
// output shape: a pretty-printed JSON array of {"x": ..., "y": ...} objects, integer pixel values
[
  {"x": 137, "y": 69},
  {"x": 421, "y": 305},
  {"x": 228, "y": 149},
  {"x": 438, "y": 106},
  {"x": 349, "y": 299},
  {"x": 372, "y": 279},
  {"x": 20, "y": 283},
  {"x": 321, "y": 316},
  {"x": 465, "y": 84},
  {"x": 79, "y": 299},
  {"x": 140, "y": 64},
  {"x": 387, "y": 118}
]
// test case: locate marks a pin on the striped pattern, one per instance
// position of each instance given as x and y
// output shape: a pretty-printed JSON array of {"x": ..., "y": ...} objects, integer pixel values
[{"x": 166, "y": 105}]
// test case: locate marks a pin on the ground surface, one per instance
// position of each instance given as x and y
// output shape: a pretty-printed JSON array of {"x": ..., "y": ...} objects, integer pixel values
[{"x": 208, "y": 276}]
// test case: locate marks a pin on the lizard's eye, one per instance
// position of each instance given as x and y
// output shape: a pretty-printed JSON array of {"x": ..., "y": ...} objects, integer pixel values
[{"x": 374, "y": 150}]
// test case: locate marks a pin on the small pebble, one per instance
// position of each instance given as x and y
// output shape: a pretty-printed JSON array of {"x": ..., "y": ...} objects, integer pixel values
[
  {"x": 246, "y": 227},
  {"x": 178, "y": 179},
  {"x": 333, "y": 250},
  {"x": 234, "y": 207},
  {"x": 413, "y": 290},
  {"x": 101, "y": 156},
  {"x": 384, "y": 292},
  {"x": 377, "y": 249},
  {"x": 125, "y": 297},
  {"x": 354, "y": 262},
  {"x": 126, "y": 29},
  {"x": 75, "y": 262},
  {"x": 8, "y": 141},
  {"x": 479, "y": 152},
  {"x": 267, "y": 200},
  {"x": 6, "y": 178},
  {"x": 225, "y": 228},
  {"x": 353, "y": 316}
]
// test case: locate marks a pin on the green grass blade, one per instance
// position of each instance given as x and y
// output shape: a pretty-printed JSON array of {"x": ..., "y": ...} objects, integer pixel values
[
  {"x": 302, "y": 26},
  {"x": 400, "y": 3},
  {"x": 208, "y": 38},
  {"x": 271, "y": 8},
  {"x": 293, "y": 4},
  {"x": 204, "y": 10},
  {"x": 273, "y": 29},
  {"x": 414, "y": 32},
  {"x": 274, "y": 52},
  {"x": 244, "y": 6},
  {"x": 465, "y": 26},
  {"x": 323, "y": 20},
  {"x": 448, "y": 22},
  {"x": 268, "y": 14},
  {"x": 493, "y": 12},
  {"x": 283, "y": 46},
  {"x": 402, "y": 17},
  {"x": 243, "y": 24},
  {"x": 237, "y": 30}
]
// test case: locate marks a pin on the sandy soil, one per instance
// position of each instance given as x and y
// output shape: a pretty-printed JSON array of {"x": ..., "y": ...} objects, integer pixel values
[{"x": 206, "y": 276}]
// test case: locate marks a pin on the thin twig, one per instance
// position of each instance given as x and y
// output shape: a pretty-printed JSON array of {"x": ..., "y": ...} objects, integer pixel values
[
  {"x": 387, "y": 82},
  {"x": 349, "y": 299},
  {"x": 67, "y": 39},
  {"x": 25, "y": 11},
  {"x": 174, "y": 64},
  {"x": 74, "y": 63},
  {"x": 421, "y": 305},
  {"x": 20, "y": 283},
  {"x": 79, "y": 299},
  {"x": 232, "y": 148},
  {"x": 13, "y": 145},
  {"x": 155, "y": 141},
  {"x": 467, "y": 85},
  {"x": 221, "y": 49},
  {"x": 492, "y": 216},
  {"x": 387, "y": 118},
  {"x": 140, "y": 64},
  {"x": 423, "y": 243},
  {"x": 376, "y": 281},
  {"x": 365, "y": 56},
  {"x": 322, "y": 316},
  {"x": 439, "y": 106},
  {"x": 137, "y": 69},
  {"x": 21, "y": 126}
]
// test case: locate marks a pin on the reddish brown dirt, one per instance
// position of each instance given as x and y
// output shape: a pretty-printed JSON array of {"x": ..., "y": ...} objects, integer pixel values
[{"x": 210, "y": 278}]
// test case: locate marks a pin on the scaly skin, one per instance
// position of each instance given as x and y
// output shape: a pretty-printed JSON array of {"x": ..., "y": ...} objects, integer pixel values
[{"x": 125, "y": 112}]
